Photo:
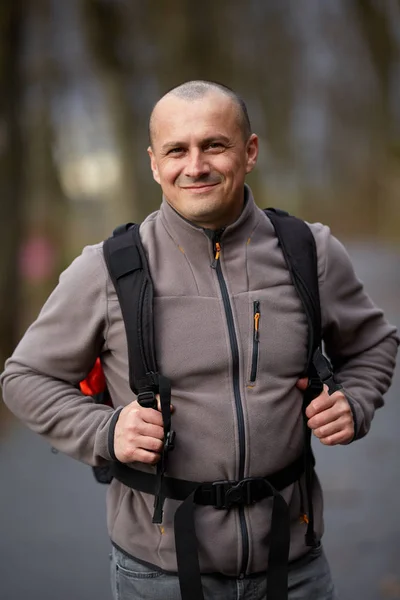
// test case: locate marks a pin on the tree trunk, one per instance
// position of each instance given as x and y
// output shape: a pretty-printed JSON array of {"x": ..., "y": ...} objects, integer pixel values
[
  {"x": 11, "y": 170},
  {"x": 103, "y": 25},
  {"x": 46, "y": 210}
]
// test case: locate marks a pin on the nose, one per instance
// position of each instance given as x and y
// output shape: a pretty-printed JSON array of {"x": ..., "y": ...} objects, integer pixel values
[{"x": 197, "y": 164}]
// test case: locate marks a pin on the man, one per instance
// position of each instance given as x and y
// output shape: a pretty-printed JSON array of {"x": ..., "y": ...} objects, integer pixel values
[{"x": 219, "y": 276}]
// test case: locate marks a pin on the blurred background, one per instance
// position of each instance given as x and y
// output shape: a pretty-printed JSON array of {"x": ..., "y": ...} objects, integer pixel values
[{"x": 78, "y": 79}]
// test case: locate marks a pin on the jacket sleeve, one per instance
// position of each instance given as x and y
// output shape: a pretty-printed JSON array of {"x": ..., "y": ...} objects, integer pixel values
[
  {"x": 359, "y": 341},
  {"x": 40, "y": 380}
]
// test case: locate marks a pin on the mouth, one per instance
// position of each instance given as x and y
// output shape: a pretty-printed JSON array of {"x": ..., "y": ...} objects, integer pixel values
[{"x": 200, "y": 188}]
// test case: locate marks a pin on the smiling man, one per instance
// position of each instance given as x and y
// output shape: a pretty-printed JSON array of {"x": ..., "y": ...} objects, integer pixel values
[
  {"x": 231, "y": 338},
  {"x": 201, "y": 151}
]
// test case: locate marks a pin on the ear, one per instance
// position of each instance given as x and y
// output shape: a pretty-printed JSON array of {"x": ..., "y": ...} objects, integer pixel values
[
  {"x": 153, "y": 164},
  {"x": 251, "y": 152}
]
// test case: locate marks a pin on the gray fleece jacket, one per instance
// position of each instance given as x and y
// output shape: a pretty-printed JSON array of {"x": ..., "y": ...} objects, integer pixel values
[{"x": 82, "y": 320}]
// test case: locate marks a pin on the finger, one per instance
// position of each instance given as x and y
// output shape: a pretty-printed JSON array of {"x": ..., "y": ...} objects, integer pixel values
[
  {"x": 145, "y": 456},
  {"x": 152, "y": 416},
  {"x": 150, "y": 430},
  {"x": 302, "y": 383},
  {"x": 341, "y": 424},
  {"x": 340, "y": 408},
  {"x": 325, "y": 417},
  {"x": 342, "y": 437},
  {"x": 322, "y": 402},
  {"x": 137, "y": 421},
  {"x": 150, "y": 444}
]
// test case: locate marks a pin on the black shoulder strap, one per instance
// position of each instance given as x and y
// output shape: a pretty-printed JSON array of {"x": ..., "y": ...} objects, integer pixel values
[
  {"x": 300, "y": 253},
  {"x": 127, "y": 264},
  {"x": 298, "y": 247},
  {"x": 129, "y": 271},
  {"x": 299, "y": 250}
]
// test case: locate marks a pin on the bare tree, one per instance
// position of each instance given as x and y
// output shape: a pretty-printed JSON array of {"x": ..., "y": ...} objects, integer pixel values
[
  {"x": 46, "y": 208},
  {"x": 380, "y": 25},
  {"x": 103, "y": 24},
  {"x": 11, "y": 171}
]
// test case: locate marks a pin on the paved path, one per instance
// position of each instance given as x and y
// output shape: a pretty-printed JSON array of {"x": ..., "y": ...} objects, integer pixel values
[
  {"x": 54, "y": 545},
  {"x": 362, "y": 520}
]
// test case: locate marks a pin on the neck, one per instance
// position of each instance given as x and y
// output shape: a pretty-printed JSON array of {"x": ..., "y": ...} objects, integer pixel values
[{"x": 213, "y": 226}]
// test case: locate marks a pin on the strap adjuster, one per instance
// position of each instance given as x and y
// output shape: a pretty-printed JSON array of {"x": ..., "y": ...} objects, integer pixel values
[
  {"x": 244, "y": 492},
  {"x": 169, "y": 443},
  {"x": 147, "y": 399},
  {"x": 220, "y": 488}
]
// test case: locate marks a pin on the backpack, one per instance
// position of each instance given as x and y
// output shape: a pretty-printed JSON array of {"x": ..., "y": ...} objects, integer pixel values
[{"x": 127, "y": 265}]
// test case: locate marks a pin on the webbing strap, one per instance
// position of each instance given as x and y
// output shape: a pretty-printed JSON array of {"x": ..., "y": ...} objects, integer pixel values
[
  {"x": 219, "y": 494},
  {"x": 324, "y": 371},
  {"x": 127, "y": 264},
  {"x": 206, "y": 492},
  {"x": 314, "y": 388},
  {"x": 299, "y": 251},
  {"x": 186, "y": 551},
  {"x": 319, "y": 373},
  {"x": 277, "y": 579},
  {"x": 165, "y": 401},
  {"x": 187, "y": 554},
  {"x": 164, "y": 386}
]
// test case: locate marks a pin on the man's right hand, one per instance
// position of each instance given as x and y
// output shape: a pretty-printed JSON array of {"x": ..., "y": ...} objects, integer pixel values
[{"x": 138, "y": 434}]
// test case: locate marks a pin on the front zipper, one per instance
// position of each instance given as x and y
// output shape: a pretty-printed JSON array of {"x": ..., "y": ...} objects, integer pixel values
[
  {"x": 216, "y": 264},
  {"x": 256, "y": 340}
]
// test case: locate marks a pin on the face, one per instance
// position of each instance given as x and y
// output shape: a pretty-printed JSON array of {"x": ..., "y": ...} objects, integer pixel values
[{"x": 200, "y": 159}]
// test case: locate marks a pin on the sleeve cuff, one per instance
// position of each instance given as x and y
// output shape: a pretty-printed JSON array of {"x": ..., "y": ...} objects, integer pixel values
[
  {"x": 111, "y": 431},
  {"x": 356, "y": 413}
]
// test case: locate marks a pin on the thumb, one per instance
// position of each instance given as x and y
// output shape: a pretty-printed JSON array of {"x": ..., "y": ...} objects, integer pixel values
[
  {"x": 159, "y": 404},
  {"x": 302, "y": 383}
]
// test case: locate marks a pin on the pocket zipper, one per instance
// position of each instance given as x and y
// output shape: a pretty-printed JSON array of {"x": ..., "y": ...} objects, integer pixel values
[{"x": 256, "y": 340}]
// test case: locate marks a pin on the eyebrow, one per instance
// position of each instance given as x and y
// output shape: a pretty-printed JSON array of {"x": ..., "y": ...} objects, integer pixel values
[{"x": 207, "y": 140}]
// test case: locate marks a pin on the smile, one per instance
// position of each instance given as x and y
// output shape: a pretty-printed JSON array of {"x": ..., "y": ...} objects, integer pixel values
[{"x": 200, "y": 188}]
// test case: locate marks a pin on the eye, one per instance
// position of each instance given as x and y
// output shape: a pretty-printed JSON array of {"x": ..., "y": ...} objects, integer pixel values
[
  {"x": 215, "y": 146},
  {"x": 176, "y": 150}
]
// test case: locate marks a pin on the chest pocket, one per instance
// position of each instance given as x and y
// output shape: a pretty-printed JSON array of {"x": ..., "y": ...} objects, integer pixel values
[{"x": 275, "y": 335}]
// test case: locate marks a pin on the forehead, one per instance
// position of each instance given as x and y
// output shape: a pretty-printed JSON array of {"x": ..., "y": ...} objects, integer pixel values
[{"x": 178, "y": 118}]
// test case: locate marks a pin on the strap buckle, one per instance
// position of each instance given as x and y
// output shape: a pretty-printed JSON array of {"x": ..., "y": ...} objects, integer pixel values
[
  {"x": 324, "y": 370},
  {"x": 169, "y": 443},
  {"x": 245, "y": 492},
  {"x": 147, "y": 399}
]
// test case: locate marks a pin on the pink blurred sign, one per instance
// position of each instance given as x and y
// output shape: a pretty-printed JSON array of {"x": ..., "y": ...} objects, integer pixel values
[{"x": 37, "y": 259}]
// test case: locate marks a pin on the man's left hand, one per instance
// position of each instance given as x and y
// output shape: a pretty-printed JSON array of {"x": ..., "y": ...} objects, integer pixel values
[{"x": 329, "y": 416}]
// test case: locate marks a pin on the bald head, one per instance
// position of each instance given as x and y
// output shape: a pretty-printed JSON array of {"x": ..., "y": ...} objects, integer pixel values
[{"x": 198, "y": 89}]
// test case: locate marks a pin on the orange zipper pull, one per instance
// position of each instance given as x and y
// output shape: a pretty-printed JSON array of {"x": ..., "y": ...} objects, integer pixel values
[
  {"x": 256, "y": 324},
  {"x": 217, "y": 255},
  {"x": 257, "y": 315},
  {"x": 304, "y": 518}
]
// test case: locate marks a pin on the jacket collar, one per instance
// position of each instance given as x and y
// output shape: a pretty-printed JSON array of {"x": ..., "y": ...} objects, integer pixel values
[{"x": 185, "y": 231}]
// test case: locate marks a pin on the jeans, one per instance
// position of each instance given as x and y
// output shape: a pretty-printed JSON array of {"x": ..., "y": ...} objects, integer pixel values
[{"x": 309, "y": 579}]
